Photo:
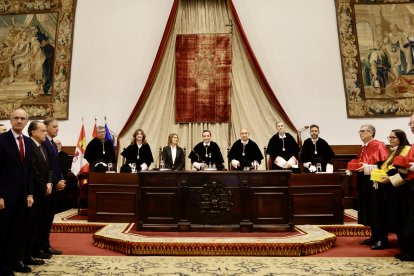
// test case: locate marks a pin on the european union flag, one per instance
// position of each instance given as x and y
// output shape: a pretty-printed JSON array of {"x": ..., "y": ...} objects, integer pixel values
[{"x": 108, "y": 135}]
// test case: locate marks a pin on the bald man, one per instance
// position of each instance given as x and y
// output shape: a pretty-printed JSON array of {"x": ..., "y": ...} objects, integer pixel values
[{"x": 245, "y": 154}]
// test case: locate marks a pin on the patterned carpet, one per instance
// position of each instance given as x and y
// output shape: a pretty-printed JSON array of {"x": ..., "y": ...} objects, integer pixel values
[
  {"x": 123, "y": 266},
  {"x": 215, "y": 265}
]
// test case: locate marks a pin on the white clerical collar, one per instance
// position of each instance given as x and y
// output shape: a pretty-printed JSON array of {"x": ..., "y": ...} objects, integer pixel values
[
  {"x": 282, "y": 136},
  {"x": 244, "y": 142},
  {"x": 315, "y": 140},
  {"x": 206, "y": 144}
]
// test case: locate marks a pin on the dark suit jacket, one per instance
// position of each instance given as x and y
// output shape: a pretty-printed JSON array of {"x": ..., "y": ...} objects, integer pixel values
[
  {"x": 15, "y": 175},
  {"x": 54, "y": 162},
  {"x": 179, "y": 162},
  {"x": 42, "y": 174}
]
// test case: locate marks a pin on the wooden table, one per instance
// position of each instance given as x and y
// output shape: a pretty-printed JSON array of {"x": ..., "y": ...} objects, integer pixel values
[{"x": 216, "y": 200}]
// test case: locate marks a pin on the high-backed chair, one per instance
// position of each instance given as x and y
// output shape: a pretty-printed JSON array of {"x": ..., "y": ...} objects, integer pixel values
[
  {"x": 228, "y": 160},
  {"x": 159, "y": 157},
  {"x": 185, "y": 156}
]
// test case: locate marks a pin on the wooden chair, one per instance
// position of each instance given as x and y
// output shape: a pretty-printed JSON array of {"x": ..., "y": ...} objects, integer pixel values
[
  {"x": 159, "y": 157},
  {"x": 228, "y": 160},
  {"x": 185, "y": 156}
]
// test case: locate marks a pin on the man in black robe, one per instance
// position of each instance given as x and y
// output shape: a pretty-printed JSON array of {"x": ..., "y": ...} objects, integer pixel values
[
  {"x": 282, "y": 149},
  {"x": 99, "y": 152},
  {"x": 316, "y": 150},
  {"x": 245, "y": 153},
  {"x": 206, "y": 154}
]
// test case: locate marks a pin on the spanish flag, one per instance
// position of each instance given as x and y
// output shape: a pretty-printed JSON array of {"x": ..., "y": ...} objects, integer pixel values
[{"x": 79, "y": 164}]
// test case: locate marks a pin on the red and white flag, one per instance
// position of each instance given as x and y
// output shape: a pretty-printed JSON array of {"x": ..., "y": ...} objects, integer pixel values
[
  {"x": 79, "y": 164},
  {"x": 95, "y": 130}
]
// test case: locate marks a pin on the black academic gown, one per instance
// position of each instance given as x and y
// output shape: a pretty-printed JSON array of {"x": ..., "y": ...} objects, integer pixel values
[
  {"x": 324, "y": 153},
  {"x": 251, "y": 153},
  {"x": 209, "y": 155},
  {"x": 275, "y": 148},
  {"x": 96, "y": 152},
  {"x": 143, "y": 156}
]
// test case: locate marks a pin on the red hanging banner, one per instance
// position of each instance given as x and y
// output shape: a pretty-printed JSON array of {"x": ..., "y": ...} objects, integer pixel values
[{"x": 203, "y": 78}]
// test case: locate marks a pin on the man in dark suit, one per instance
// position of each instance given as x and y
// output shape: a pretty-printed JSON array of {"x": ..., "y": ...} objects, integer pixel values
[
  {"x": 16, "y": 188},
  {"x": 46, "y": 221},
  {"x": 63, "y": 202},
  {"x": 42, "y": 187}
]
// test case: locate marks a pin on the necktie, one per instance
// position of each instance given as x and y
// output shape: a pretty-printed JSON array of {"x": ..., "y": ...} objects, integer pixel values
[
  {"x": 43, "y": 153},
  {"x": 54, "y": 145},
  {"x": 21, "y": 147}
]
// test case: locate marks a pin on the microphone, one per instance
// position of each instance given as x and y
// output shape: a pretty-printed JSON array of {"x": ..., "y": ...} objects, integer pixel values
[{"x": 303, "y": 128}]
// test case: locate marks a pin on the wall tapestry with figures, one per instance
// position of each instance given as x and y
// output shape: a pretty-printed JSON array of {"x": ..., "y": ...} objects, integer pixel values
[
  {"x": 36, "y": 38},
  {"x": 377, "y": 51}
]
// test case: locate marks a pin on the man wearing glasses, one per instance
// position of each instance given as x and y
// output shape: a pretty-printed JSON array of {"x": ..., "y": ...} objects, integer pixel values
[{"x": 372, "y": 153}]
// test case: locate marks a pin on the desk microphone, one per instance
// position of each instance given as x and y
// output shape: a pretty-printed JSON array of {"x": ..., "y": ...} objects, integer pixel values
[{"x": 303, "y": 128}]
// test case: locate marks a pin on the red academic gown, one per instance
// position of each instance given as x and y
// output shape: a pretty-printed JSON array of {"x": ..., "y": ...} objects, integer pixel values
[{"x": 368, "y": 197}]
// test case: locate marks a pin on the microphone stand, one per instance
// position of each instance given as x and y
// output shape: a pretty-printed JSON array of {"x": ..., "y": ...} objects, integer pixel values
[{"x": 300, "y": 136}]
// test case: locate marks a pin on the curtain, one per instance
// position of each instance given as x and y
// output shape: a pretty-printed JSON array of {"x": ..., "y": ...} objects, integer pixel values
[{"x": 251, "y": 105}]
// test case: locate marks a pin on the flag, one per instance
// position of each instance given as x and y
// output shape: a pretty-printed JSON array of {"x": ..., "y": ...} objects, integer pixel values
[
  {"x": 95, "y": 130},
  {"x": 79, "y": 164},
  {"x": 108, "y": 135}
]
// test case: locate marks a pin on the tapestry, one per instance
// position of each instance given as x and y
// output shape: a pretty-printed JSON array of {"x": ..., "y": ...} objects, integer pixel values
[
  {"x": 36, "y": 38},
  {"x": 203, "y": 78},
  {"x": 377, "y": 53}
]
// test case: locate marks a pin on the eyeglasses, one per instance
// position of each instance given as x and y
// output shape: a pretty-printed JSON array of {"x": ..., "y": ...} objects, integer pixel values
[
  {"x": 411, "y": 124},
  {"x": 391, "y": 137},
  {"x": 363, "y": 130}
]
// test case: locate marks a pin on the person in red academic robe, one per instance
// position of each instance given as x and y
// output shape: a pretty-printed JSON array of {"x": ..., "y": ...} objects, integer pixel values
[
  {"x": 373, "y": 152},
  {"x": 406, "y": 177}
]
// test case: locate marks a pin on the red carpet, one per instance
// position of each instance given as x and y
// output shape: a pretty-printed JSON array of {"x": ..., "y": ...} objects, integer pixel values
[{"x": 82, "y": 244}]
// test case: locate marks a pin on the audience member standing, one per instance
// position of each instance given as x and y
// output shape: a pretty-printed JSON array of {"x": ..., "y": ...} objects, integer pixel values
[
  {"x": 46, "y": 220},
  {"x": 407, "y": 176},
  {"x": 395, "y": 209},
  {"x": 63, "y": 202},
  {"x": 372, "y": 152},
  {"x": 16, "y": 188},
  {"x": 42, "y": 187}
]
